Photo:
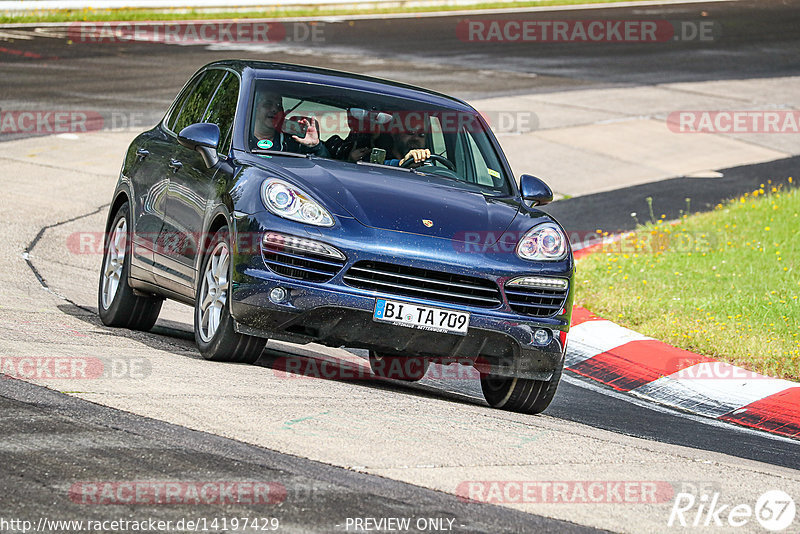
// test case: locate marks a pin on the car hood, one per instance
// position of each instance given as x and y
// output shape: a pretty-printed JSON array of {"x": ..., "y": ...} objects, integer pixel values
[{"x": 394, "y": 199}]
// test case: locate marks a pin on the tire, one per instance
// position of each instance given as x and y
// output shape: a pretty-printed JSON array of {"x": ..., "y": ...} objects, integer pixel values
[
  {"x": 520, "y": 394},
  {"x": 117, "y": 304},
  {"x": 405, "y": 368},
  {"x": 213, "y": 325}
]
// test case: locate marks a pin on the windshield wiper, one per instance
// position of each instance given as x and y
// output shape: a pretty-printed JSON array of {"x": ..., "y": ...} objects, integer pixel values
[
  {"x": 382, "y": 166},
  {"x": 420, "y": 170},
  {"x": 279, "y": 153}
]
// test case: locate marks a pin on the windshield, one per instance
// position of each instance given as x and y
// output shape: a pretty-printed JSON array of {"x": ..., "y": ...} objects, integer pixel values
[{"x": 360, "y": 127}]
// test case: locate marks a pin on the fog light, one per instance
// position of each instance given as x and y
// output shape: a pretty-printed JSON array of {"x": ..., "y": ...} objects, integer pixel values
[
  {"x": 541, "y": 336},
  {"x": 278, "y": 295}
]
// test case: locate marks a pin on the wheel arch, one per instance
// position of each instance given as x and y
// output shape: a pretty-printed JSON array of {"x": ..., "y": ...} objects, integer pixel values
[
  {"x": 219, "y": 217},
  {"x": 121, "y": 198}
]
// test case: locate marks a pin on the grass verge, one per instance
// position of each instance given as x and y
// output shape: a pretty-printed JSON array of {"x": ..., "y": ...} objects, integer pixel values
[
  {"x": 723, "y": 284},
  {"x": 80, "y": 15}
]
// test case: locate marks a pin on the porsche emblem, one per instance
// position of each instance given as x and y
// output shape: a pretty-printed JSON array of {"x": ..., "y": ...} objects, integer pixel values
[{"x": 427, "y": 222}]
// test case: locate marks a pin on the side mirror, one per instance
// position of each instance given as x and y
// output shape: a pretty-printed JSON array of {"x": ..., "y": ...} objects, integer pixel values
[
  {"x": 203, "y": 137},
  {"x": 535, "y": 190}
]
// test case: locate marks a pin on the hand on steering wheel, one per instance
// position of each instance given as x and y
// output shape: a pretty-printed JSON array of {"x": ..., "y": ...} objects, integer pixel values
[
  {"x": 416, "y": 155},
  {"x": 422, "y": 155}
]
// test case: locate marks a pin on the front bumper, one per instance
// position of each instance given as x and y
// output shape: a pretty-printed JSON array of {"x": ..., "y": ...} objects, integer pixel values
[{"x": 333, "y": 313}]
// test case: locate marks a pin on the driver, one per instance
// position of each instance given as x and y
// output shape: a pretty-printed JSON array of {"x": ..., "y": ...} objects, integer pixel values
[
  {"x": 409, "y": 145},
  {"x": 268, "y": 119}
]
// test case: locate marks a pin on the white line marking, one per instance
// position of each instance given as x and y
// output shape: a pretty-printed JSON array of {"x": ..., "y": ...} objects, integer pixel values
[
  {"x": 711, "y": 389},
  {"x": 670, "y": 411},
  {"x": 591, "y": 338}
]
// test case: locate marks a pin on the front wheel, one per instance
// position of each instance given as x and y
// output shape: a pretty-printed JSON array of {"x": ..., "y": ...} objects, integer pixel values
[
  {"x": 213, "y": 325},
  {"x": 406, "y": 368},
  {"x": 117, "y": 304},
  {"x": 519, "y": 394}
]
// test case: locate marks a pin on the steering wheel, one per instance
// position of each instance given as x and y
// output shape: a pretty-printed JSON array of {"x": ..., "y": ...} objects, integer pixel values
[{"x": 434, "y": 157}]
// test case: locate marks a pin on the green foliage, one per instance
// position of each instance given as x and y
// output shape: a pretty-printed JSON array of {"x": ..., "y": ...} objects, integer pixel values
[
  {"x": 723, "y": 283},
  {"x": 80, "y": 15}
]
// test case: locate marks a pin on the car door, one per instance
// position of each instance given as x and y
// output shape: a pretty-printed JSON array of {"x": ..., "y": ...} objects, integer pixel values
[
  {"x": 149, "y": 187},
  {"x": 150, "y": 183},
  {"x": 192, "y": 183}
]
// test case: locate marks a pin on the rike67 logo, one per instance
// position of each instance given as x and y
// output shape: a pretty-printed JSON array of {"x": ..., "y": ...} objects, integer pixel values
[{"x": 774, "y": 510}]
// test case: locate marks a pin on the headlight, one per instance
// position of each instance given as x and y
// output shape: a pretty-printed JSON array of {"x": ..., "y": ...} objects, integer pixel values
[
  {"x": 290, "y": 202},
  {"x": 545, "y": 242}
]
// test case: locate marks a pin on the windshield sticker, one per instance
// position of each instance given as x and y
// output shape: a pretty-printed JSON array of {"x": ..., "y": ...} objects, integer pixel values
[
  {"x": 265, "y": 144},
  {"x": 493, "y": 172}
]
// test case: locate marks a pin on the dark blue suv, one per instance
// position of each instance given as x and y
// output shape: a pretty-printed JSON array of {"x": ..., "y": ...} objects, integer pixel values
[{"x": 309, "y": 205}]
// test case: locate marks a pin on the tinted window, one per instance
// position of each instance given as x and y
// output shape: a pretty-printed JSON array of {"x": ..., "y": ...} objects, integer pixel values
[
  {"x": 195, "y": 106},
  {"x": 352, "y": 123},
  {"x": 180, "y": 102},
  {"x": 335, "y": 118},
  {"x": 223, "y": 108}
]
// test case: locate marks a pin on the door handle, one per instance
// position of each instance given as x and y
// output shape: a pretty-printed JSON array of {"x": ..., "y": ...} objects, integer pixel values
[
  {"x": 175, "y": 165},
  {"x": 142, "y": 153}
]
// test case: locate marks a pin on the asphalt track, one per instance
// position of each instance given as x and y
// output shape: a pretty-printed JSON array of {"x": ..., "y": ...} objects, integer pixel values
[
  {"x": 755, "y": 38},
  {"x": 758, "y": 39},
  {"x": 65, "y": 439}
]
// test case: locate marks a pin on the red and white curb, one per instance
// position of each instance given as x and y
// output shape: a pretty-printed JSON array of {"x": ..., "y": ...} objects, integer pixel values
[{"x": 638, "y": 365}]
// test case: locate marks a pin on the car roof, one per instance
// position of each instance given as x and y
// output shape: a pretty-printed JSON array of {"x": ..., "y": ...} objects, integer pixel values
[{"x": 347, "y": 80}]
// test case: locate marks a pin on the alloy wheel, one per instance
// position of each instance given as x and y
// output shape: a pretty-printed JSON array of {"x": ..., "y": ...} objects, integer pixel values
[
  {"x": 214, "y": 294},
  {"x": 114, "y": 262}
]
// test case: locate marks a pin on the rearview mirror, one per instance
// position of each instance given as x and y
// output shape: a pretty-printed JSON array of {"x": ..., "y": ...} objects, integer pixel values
[
  {"x": 203, "y": 137},
  {"x": 535, "y": 190}
]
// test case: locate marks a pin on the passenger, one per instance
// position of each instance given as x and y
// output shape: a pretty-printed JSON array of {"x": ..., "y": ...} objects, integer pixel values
[
  {"x": 361, "y": 147},
  {"x": 364, "y": 135},
  {"x": 355, "y": 147},
  {"x": 268, "y": 120}
]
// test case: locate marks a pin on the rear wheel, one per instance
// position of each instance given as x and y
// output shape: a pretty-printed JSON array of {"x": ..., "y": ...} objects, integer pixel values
[
  {"x": 213, "y": 325},
  {"x": 519, "y": 394},
  {"x": 117, "y": 304},
  {"x": 406, "y": 368}
]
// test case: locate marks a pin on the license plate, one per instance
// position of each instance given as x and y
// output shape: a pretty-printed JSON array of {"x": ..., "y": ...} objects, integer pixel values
[{"x": 421, "y": 317}]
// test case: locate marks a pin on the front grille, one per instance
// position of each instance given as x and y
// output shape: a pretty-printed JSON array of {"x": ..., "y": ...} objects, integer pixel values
[
  {"x": 295, "y": 262},
  {"x": 427, "y": 284},
  {"x": 534, "y": 301}
]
